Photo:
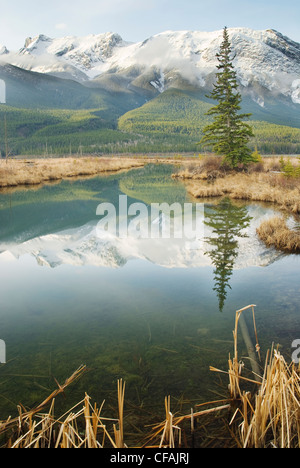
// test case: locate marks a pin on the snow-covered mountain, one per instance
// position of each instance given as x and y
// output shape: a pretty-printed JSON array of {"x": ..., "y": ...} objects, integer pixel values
[
  {"x": 265, "y": 61},
  {"x": 3, "y": 50}
]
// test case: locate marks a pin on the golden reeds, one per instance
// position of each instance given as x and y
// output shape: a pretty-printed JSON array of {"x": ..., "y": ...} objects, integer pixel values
[
  {"x": 268, "y": 417},
  {"x": 119, "y": 433},
  {"x": 272, "y": 418},
  {"x": 256, "y": 187},
  {"x": 274, "y": 232},
  {"x": 37, "y": 171},
  {"x": 83, "y": 426}
]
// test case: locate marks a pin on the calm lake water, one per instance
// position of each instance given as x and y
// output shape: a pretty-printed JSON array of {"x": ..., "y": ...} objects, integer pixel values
[{"x": 155, "y": 313}]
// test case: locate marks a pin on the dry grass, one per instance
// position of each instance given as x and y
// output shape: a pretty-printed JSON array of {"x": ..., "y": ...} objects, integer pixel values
[
  {"x": 262, "y": 187},
  {"x": 212, "y": 167},
  {"x": 274, "y": 232},
  {"x": 37, "y": 171},
  {"x": 268, "y": 417},
  {"x": 271, "y": 418},
  {"x": 262, "y": 183}
]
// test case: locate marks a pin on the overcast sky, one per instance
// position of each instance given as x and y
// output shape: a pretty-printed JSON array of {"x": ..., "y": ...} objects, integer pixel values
[{"x": 135, "y": 20}]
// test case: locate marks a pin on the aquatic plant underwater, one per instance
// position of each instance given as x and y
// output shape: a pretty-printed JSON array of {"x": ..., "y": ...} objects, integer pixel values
[{"x": 265, "y": 418}]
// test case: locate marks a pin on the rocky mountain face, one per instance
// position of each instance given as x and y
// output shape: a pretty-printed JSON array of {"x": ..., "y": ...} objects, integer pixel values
[{"x": 266, "y": 62}]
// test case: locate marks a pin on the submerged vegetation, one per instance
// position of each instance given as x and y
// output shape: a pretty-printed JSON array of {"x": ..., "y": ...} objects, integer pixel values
[{"x": 260, "y": 410}]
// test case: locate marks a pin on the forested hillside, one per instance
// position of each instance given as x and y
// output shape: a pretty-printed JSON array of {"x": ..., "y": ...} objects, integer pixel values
[{"x": 171, "y": 122}]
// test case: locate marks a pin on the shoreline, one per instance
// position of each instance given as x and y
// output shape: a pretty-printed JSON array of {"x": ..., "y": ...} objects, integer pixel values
[
  {"x": 34, "y": 171},
  {"x": 202, "y": 180},
  {"x": 28, "y": 173},
  {"x": 265, "y": 183}
]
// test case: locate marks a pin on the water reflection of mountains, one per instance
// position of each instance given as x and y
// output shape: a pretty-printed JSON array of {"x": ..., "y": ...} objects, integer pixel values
[{"x": 230, "y": 243}]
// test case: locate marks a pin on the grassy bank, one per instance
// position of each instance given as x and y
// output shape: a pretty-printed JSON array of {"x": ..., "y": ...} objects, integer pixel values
[
  {"x": 37, "y": 171},
  {"x": 263, "y": 182}
]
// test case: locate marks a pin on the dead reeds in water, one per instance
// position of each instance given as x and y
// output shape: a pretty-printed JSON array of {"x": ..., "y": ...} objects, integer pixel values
[
  {"x": 274, "y": 232},
  {"x": 83, "y": 426},
  {"x": 267, "y": 417},
  {"x": 270, "y": 417}
]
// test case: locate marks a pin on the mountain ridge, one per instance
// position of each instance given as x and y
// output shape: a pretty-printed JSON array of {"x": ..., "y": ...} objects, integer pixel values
[
  {"x": 155, "y": 89},
  {"x": 265, "y": 58}
]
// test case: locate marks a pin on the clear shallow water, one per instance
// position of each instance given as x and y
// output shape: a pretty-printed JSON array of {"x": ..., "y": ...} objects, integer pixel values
[{"x": 156, "y": 317}]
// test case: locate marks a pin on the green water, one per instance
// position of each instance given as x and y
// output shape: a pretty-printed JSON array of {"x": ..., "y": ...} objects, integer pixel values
[{"x": 158, "y": 321}]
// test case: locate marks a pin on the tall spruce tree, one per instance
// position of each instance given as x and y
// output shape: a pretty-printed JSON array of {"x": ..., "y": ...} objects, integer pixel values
[{"x": 228, "y": 134}]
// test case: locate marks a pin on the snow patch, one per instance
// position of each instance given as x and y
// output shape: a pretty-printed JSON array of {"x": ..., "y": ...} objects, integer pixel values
[
  {"x": 296, "y": 91},
  {"x": 265, "y": 58}
]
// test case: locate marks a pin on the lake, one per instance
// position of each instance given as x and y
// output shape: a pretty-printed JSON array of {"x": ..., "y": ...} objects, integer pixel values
[{"x": 156, "y": 313}]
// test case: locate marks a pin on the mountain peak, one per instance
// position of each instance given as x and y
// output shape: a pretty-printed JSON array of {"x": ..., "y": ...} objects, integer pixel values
[
  {"x": 3, "y": 50},
  {"x": 264, "y": 60}
]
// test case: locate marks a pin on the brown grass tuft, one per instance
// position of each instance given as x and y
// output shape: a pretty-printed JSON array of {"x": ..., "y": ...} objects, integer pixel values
[{"x": 275, "y": 233}]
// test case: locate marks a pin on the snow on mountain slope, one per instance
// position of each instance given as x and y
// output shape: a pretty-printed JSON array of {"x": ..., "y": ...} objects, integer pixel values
[
  {"x": 3, "y": 50},
  {"x": 263, "y": 59}
]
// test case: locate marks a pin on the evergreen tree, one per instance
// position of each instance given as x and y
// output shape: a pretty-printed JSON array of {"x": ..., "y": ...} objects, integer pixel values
[
  {"x": 228, "y": 133},
  {"x": 227, "y": 222}
]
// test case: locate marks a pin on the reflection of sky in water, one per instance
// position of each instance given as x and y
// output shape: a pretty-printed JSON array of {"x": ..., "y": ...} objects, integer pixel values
[{"x": 155, "y": 304}]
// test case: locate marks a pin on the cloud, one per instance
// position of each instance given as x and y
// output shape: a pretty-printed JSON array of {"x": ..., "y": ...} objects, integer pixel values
[{"x": 61, "y": 26}]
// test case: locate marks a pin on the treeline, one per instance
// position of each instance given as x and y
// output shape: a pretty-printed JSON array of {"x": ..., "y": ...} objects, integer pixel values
[
  {"x": 180, "y": 117},
  {"x": 172, "y": 124}
]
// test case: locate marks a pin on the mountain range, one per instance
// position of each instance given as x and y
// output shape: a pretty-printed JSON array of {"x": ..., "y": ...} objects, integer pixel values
[{"x": 135, "y": 86}]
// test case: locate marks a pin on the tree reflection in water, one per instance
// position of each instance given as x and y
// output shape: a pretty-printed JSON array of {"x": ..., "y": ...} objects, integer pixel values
[{"x": 227, "y": 222}]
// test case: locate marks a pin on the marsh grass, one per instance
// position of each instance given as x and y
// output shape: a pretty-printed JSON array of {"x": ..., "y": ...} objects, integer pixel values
[
  {"x": 269, "y": 418},
  {"x": 264, "y": 181},
  {"x": 37, "y": 171},
  {"x": 259, "y": 411},
  {"x": 274, "y": 232},
  {"x": 252, "y": 187}
]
